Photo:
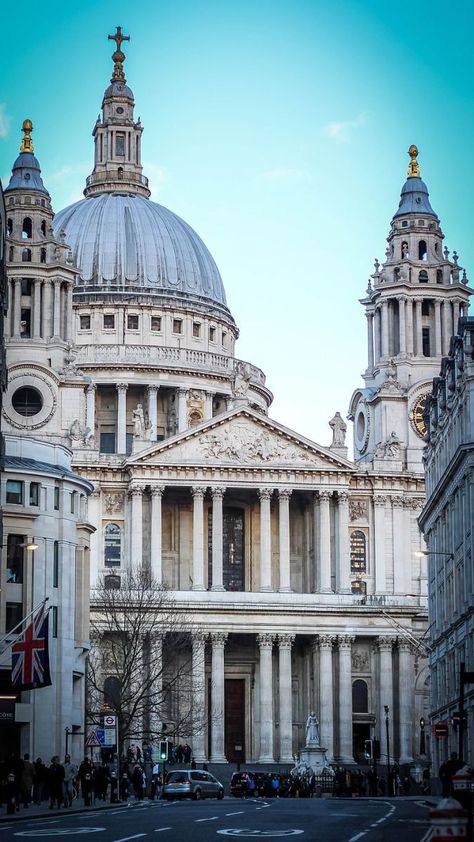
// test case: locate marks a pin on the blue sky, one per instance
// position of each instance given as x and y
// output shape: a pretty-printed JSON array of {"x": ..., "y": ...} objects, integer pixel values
[{"x": 279, "y": 131}]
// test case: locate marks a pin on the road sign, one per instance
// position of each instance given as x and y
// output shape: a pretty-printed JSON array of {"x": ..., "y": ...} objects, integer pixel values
[
  {"x": 92, "y": 739},
  {"x": 109, "y": 737},
  {"x": 110, "y": 721},
  {"x": 440, "y": 730}
]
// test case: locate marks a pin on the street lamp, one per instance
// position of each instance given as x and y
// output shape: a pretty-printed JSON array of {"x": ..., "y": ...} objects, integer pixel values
[
  {"x": 422, "y": 736},
  {"x": 387, "y": 737},
  {"x": 422, "y": 553}
]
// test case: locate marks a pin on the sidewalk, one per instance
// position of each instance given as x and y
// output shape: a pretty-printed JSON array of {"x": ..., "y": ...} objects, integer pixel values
[{"x": 40, "y": 811}]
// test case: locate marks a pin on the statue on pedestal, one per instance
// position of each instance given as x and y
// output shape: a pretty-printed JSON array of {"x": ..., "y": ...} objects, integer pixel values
[{"x": 312, "y": 730}]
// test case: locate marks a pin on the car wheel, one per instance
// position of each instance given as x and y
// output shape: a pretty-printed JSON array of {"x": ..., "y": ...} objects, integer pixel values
[
  {"x": 220, "y": 795},
  {"x": 197, "y": 795}
]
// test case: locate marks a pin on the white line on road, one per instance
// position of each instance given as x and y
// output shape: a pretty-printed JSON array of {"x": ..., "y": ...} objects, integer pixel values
[
  {"x": 211, "y": 819},
  {"x": 126, "y": 838},
  {"x": 353, "y": 838},
  {"x": 238, "y": 813}
]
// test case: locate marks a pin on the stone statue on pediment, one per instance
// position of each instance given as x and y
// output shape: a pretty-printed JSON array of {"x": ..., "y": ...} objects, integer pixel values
[{"x": 339, "y": 430}]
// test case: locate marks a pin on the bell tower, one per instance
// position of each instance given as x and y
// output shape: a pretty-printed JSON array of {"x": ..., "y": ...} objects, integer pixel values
[{"x": 412, "y": 305}]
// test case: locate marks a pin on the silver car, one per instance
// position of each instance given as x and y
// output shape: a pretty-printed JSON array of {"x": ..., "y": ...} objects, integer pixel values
[{"x": 192, "y": 783}]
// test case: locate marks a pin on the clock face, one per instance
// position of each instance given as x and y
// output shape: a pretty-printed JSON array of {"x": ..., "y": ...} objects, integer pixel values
[{"x": 417, "y": 415}]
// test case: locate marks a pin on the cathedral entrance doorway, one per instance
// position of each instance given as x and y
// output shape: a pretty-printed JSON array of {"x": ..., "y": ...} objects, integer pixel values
[
  {"x": 360, "y": 733},
  {"x": 235, "y": 720}
]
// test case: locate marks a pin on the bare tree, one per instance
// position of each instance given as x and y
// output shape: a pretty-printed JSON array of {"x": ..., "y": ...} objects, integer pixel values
[{"x": 140, "y": 662}]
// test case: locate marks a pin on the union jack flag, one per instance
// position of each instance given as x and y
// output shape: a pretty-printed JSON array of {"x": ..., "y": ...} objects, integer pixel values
[{"x": 30, "y": 655}]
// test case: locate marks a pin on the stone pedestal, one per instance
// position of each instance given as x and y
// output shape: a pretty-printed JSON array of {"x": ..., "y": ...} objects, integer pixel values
[{"x": 315, "y": 757}]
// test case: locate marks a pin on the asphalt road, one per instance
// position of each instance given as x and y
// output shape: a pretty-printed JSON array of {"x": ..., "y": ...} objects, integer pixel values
[{"x": 331, "y": 820}]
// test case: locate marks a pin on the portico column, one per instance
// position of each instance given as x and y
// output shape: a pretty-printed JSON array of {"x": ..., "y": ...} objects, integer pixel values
[
  {"x": 198, "y": 697},
  {"x": 208, "y": 403},
  {"x": 16, "y": 307},
  {"x": 69, "y": 314},
  {"x": 217, "y": 539},
  {"x": 402, "y": 329},
  {"x": 218, "y": 640},
  {"x": 386, "y": 692},
  {"x": 284, "y": 495},
  {"x": 345, "y": 698},
  {"x": 36, "y": 308},
  {"x": 157, "y": 492},
  {"x": 455, "y": 317},
  {"x": 438, "y": 349},
  {"x": 198, "y": 538},
  {"x": 122, "y": 417},
  {"x": 57, "y": 309},
  {"x": 379, "y": 529},
  {"x": 265, "y": 540},
  {"x": 90, "y": 407},
  {"x": 370, "y": 338},
  {"x": 326, "y": 693},
  {"x": 385, "y": 328},
  {"x": 406, "y": 677},
  {"x": 378, "y": 334},
  {"x": 324, "y": 542},
  {"x": 152, "y": 392},
  {"x": 265, "y": 642},
  {"x": 409, "y": 330},
  {"x": 343, "y": 557},
  {"x": 182, "y": 420},
  {"x": 446, "y": 326},
  {"x": 419, "y": 328},
  {"x": 398, "y": 545},
  {"x": 136, "y": 493},
  {"x": 47, "y": 331},
  {"x": 285, "y": 642}
]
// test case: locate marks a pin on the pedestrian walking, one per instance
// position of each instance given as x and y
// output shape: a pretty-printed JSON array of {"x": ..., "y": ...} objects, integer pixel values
[
  {"x": 70, "y": 774},
  {"x": 137, "y": 782},
  {"x": 55, "y": 782},
  {"x": 40, "y": 780},
  {"x": 85, "y": 777},
  {"x": 26, "y": 780}
]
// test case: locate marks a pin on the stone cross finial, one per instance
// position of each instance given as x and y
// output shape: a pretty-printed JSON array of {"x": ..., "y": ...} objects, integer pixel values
[{"x": 118, "y": 57}]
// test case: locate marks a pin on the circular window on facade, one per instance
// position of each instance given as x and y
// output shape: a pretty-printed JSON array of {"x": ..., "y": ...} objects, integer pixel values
[{"x": 27, "y": 401}]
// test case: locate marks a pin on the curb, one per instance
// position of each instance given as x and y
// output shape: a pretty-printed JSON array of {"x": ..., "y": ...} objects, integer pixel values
[{"x": 24, "y": 816}]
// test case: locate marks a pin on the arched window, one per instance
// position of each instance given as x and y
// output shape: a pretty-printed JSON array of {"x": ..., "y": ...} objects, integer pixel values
[
  {"x": 26, "y": 255},
  {"x": 439, "y": 276},
  {"x": 112, "y": 545},
  {"x": 404, "y": 250},
  {"x": 359, "y": 587},
  {"x": 27, "y": 228},
  {"x": 120, "y": 173},
  {"x": 112, "y": 692},
  {"x": 43, "y": 256},
  {"x": 358, "y": 552},
  {"x": 9, "y": 227},
  {"x": 360, "y": 696},
  {"x": 423, "y": 276},
  {"x": 11, "y": 253},
  {"x": 43, "y": 228},
  {"x": 112, "y": 582},
  {"x": 422, "y": 250}
]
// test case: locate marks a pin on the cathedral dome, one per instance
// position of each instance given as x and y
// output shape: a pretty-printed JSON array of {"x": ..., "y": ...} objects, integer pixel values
[{"x": 125, "y": 242}]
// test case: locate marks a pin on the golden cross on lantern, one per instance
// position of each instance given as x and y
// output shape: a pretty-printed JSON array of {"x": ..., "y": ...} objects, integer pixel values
[
  {"x": 413, "y": 166},
  {"x": 118, "y": 57}
]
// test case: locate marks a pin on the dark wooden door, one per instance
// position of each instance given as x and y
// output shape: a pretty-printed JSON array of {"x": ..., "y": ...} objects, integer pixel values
[{"x": 235, "y": 720}]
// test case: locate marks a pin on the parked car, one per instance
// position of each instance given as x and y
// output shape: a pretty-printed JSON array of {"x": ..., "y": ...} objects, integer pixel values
[{"x": 192, "y": 783}]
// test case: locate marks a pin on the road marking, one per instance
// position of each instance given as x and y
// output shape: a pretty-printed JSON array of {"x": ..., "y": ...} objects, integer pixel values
[
  {"x": 238, "y": 813},
  {"x": 258, "y": 834},
  {"x": 211, "y": 819},
  {"x": 353, "y": 838},
  {"x": 62, "y": 831},
  {"x": 126, "y": 838}
]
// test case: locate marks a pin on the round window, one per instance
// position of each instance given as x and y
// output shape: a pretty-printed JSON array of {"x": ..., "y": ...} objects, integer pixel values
[
  {"x": 119, "y": 110},
  {"x": 27, "y": 401},
  {"x": 360, "y": 426}
]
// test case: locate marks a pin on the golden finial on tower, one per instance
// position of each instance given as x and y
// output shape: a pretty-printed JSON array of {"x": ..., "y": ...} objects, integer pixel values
[
  {"x": 413, "y": 166},
  {"x": 118, "y": 57},
  {"x": 26, "y": 144}
]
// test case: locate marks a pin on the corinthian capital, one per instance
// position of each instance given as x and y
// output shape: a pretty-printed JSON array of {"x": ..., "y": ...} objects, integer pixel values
[
  {"x": 285, "y": 641},
  {"x": 265, "y": 493},
  {"x": 326, "y": 641},
  {"x": 265, "y": 641},
  {"x": 218, "y": 639},
  {"x": 198, "y": 491},
  {"x": 385, "y": 642},
  {"x": 345, "y": 641}
]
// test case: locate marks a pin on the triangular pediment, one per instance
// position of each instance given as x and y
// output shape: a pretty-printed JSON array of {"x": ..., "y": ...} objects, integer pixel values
[{"x": 241, "y": 437}]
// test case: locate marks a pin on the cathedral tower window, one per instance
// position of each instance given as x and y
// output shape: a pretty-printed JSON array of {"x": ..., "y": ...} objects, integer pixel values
[
  {"x": 27, "y": 229},
  {"x": 11, "y": 253},
  {"x": 9, "y": 227},
  {"x": 112, "y": 545},
  {"x": 25, "y": 324},
  {"x": 156, "y": 323},
  {"x": 439, "y": 276},
  {"x": 26, "y": 256},
  {"x": 43, "y": 256},
  {"x": 120, "y": 173},
  {"x": 85, "y": 322},
  {"x": 196, "y": 330},
  {"x": 109, "y": 321},
  {"x": 422, "y": 251},
  {"x": 212, "y": 334},
  {"x": 43, "y": 228},
  {"x": 360, "y": 696},
  {"x": 404, "y": 249},
  {"x": 132, "y": 321},
  {"x": 423, "y": 276},
  {"x": 177, "y": 326},
  {"x": 120, "y": 144},
  {"x": 426, "y": 341},
  {"x": 358, "y": 543}
]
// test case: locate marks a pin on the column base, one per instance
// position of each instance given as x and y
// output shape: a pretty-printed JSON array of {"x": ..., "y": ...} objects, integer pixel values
[
  {"x": 199, "y": 757},
  {"x": 285, "y": 590},
  {"x": 218, "y": 758},
  {"x": 404, "y": 759},
  {"x": 266, "y": 589},
  {"x": 218, "y": 588},
  {"x": 345, "y": 591},
  {"x": 345, "y": 759},
  {"x": 324, "y": 590},
  {"x": 266, "y": 759},
  {"x": 198, "y": 588},
  {"x": 287, "y": 759}
]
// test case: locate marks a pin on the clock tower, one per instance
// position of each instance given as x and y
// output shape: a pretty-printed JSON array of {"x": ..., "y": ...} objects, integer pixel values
[{"x": 412, "y": 305}]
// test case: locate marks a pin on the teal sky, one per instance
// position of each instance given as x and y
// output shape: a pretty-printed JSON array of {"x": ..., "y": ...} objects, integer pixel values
[{"x": 279, "y": 131}]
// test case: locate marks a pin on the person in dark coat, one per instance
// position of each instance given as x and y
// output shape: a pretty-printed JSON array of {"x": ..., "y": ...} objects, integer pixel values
[
  {"x": 27, "y": 780},
  {"x": 137, "y": 782},
  {"x": 85, "y": 777},
  {"x": 55, "y": 782},
  {"x": 41, "y": 778}
]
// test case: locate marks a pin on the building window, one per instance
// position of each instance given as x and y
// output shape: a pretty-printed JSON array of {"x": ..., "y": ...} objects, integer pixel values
[
  {"x": 423, "y": 277},
  {"x": 55, "y": 564},
  {"x": 224, "y": 339},
  {"x": 34, "y": 493},
  {"x": 360, "y": 696},
  {"x": 404, "y": 224},
  {"x": 73, "y": 501},
  {"x": 26, "y": 255},
  {"x": 9, "y": 227},
  {"x": 11, "y": 253},
  {"x": 25, "y": 323},
  {"x": 14, "y": 491},
  {"x": 27, "y": 229},
  {"x": 404, "y": 251},
  {"x": 120, "y": 143},
  {"x": 112, "y": 686},
  {"x": 132, "y": 321},
  {"x": 426, "y": 342},
  {"x": 43, "y": 228},
  {"x": 196, "y": 330},
  {"x": 13, "y": 615},
  {"x": 177, "y": 326},
  {"x": 27, "y": 401},
  {"x": 109, "y": 321},
  {"x": 56, "y": 498},
  {"x": 112, "y": 545},
  {"x": 425, "y": 308},
  {"x": 439, "y": 276},
  {"x": 422, "y": 255},
  {"x": 26, "y": 286},
  {"x": 156, "y": 322},
  {"x": 359, "y": 587},
  {"x": 107, "y": 442},
  {"x": 85, "y": 322},
  {"x": 212, "y": 334},
  {"x": 112, "y": 582},
  {"x": 43, "y": 256},
  {"x": 358, "y": 544},
  {"x": 15, "y": 557},
  {"x": 54, "y": 621}
]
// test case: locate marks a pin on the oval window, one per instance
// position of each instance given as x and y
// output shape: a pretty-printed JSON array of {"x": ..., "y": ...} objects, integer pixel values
[{"x": 27, "y": 401}]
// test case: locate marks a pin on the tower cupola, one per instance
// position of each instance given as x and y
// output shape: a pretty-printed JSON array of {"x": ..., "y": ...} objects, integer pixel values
[{"x": 26, "y": 171}]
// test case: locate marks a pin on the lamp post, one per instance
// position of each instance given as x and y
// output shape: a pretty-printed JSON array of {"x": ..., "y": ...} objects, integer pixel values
[
  {"x": 422, "y": 736},
  {"x": 387, "y": 737}
]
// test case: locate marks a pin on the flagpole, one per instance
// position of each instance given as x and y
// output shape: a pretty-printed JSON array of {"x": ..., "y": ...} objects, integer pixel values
[{"x": 19, "y": 625}]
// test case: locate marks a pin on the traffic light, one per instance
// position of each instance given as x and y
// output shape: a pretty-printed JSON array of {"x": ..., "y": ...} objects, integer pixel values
[
  {"x": 376, "y": 749},
  {"x": 163, "y": 749},
  {"x": 368, "y": 749}
]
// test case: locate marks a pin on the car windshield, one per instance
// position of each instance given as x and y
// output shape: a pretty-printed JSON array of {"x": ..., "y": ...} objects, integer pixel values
[{"x": 177, "y": 778}]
